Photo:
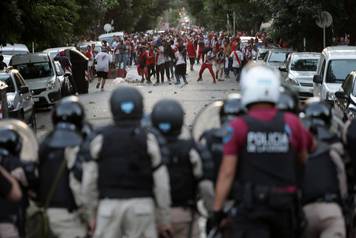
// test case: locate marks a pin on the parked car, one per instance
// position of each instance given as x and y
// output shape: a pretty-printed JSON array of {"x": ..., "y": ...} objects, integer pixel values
[
  {"x": 52, "y": 52},
  {"x": 39, "y": 72},
  {"x": 277, "y": 57},
  {"x": 109, "y": 37},
  {"x": 14, "y": 49},
  {"x": 335, "y": 64},
  {"x": 19, "y": 98},
  {"x": 84, "y": 45},
  {"x": 300, "y": 69}
]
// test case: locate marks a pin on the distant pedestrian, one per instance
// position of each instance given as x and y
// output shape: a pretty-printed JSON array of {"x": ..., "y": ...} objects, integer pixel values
[
  {"x": 237, "y": 59},
  {"x": 141, "y": 62},
  {"x": 3, "y": 65},
  {"x": 181, "y": 64},
  {"x": 208, "y": 64},
  {"x": 191, "y": 53},
  {"x": 103, "y": 60},
  {"x": 219, "y": 64},
  {"x": 160, "y": 63}
]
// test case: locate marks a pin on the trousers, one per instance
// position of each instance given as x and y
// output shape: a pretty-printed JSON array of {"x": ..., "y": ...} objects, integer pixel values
[
  {"x": 65, "y": 224},
  {"x": 324, "y": 220},
  {"x": 8, "y": 230},
  {"x": 133, "y": 218},
  {"x": 184, "y": 223}
]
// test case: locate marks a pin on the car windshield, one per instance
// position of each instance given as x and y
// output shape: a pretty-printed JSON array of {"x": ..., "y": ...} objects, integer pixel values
[
  {"x": 35, "y": 70},
  {"x": 6, "y": 78},
  {"x": 262, "y": 55},
  {"x": 278, "y": 57},
  {"x": 339, "y": 69},
  {"x": 305, "y": 65}
]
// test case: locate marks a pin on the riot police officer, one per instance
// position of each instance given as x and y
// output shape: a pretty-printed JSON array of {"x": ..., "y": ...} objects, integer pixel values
[
  {"x": 10, "y": 148},
  {"x": 262, "y": 154},
  {"x": 324, "y": 185},
  {"x": 58, "y": 189},
  {"x": 288, "y": 100},
  {"x": 185, "y": 169},
  {"x": 126, "y": 173},
  {"x": 212, "y": 139}
]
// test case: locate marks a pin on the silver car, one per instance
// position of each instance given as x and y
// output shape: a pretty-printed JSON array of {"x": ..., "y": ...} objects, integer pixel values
[
  {"x": 301, "y": 68},
  {"x": 19, "y": 98},
  {"x": 277, "y": 57},
  {"x": 40, "y": 74}
]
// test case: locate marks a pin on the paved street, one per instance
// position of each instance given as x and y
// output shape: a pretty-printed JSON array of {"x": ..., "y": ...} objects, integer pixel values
[{"x": 193, "y": 96}]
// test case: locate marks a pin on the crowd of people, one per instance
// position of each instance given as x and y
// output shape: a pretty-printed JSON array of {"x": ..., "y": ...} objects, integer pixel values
[
  {"x": 274, "y": 174},
  {"x": 165, "y": 56}
]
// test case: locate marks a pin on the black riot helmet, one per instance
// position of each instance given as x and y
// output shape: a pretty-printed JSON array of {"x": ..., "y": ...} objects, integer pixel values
[
  {"x": 231, "y": 108},
  {"x": 69, "y": 111},
  {"x": 168, "y": 116},
  {"x": 319, "y": 113},
  {"x": 126, "y": 104},
  {"x": 288, "y": 100},
  {"x": 10, "y": 142}
]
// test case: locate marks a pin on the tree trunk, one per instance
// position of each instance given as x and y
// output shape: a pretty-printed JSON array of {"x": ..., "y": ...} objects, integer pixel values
[{"x": 350, "y": 8}]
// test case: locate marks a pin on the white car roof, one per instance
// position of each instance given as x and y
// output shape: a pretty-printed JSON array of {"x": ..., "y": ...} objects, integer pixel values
[
  {"x": 112, "y": 34},
  {"x": 14, "y": 47},
  {"x": 340, "y": 52},
  {"x": 306, "y": 55},
  {"x": 58, "y": 49}
]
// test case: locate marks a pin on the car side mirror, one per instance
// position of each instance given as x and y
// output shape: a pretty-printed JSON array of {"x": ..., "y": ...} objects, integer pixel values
[
  {"x": 24, "y": 89},
  {"x": 341, "y": 95},
  {"x": 283, "y": 68},
  {"x": 317, "y": 79}
]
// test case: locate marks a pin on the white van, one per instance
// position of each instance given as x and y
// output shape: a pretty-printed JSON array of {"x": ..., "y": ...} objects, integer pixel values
[
  {"x": 335, "y": 64},
  {"x": 109, "y": 37}
]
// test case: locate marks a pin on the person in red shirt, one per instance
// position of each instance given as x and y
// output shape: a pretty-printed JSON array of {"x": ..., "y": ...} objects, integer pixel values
[
  {"x": 191, "y": 53},
  {"x": 150, "y": 63},
  {"x": 141, "y": 62},
  {"x": 90, "y": 56},
  {"x": 263, "y": 155},
  {"x": 208, "y": 64}
]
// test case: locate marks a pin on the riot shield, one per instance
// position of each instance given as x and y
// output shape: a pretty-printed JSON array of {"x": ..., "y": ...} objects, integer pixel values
[
  {"x": 208, "y": 118},
  {"x": 30, "y": 146}
]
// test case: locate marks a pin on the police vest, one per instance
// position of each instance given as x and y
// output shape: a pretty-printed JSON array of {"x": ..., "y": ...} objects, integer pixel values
[
  {"x": 267, "y": 159},
  {"x": 50, "y": 162},
  {"x": 320, "y": 176},
  {"x": 125, "y": 168},
  {"x": 183, "y": 183},
  {"x": 214, "y": 143}
]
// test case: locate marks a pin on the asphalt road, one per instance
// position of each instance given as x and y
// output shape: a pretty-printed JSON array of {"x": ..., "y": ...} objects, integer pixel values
[{"x": 193, "y": 96}]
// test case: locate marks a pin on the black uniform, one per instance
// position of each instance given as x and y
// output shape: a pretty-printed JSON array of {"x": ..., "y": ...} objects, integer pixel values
[
  {"x": 320, "y": 177},
  {"x": 124, "y": 170},
  {"x": 266, "y": 182},
  {"x": 182, "y": 179},
  {"x": 50, "y": 160}
]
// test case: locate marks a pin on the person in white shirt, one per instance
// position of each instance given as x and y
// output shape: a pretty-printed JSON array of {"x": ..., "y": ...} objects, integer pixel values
[
  {"x": 181, "y": 64},
  {"x": 103, "y": 60},
  {"x": 237, "y": 59},
  {"x": 160, "y": 64}
]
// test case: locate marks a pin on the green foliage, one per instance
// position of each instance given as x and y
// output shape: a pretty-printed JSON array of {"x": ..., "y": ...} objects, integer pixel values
[{"x": 293, "y": 20}]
